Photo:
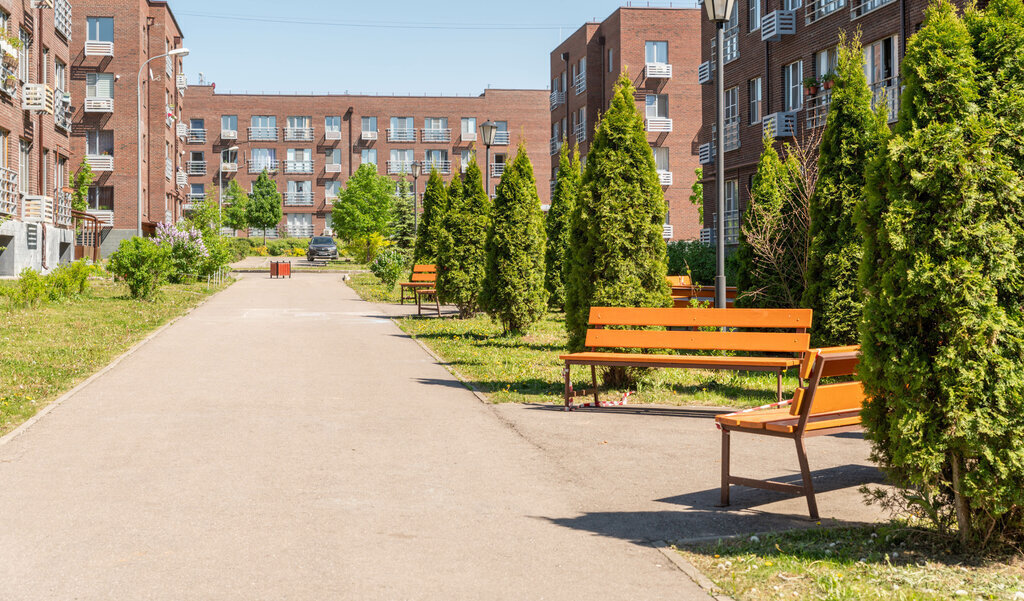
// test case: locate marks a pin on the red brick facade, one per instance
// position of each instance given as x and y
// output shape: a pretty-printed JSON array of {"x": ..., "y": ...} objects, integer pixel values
[{"x": 618, "y": 44}]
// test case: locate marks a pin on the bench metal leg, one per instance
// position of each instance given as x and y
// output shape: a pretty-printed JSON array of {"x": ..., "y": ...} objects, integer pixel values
[
  {"x": 805, "y": 471},
  {"x": 593, "y": 376},
  {"x": 419, "y": 304},
  {"x": 437, "y": 303},
  {"x": 725, "y": 468},
  {"x": 401, "y": 295},
  {"x": 778, "y": 384},
  {"x": 568, "y": 388}
]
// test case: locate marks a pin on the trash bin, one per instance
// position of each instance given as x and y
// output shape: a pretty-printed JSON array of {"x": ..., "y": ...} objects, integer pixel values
[{"x": 280, "y": 269}]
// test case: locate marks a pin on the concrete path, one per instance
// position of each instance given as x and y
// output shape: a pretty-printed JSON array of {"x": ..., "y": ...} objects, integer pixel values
[{"x": 286, "y": 441}]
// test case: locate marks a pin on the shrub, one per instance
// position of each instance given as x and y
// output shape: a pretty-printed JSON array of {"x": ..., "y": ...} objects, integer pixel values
[
  {"x": 68, "y": 280},
  {"x": 461, "y": 255},
  {"x": 239, "y": 248},
  {"x": 692, "y": 258},
  {"x": 143, "y": 265},
  {"x": 389, "y": 265},
  {"x": 365, "y": 249},
  {"x": 28, "y": 291},
  {"x": 563, "y": 203},
  {"x": 260, "y": 251},
  {"x": 187, "y": 249}
]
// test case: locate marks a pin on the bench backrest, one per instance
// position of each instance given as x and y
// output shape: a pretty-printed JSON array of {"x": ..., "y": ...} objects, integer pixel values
[
  {"x": 678, "y": 280},
  {"x": 424, "y": 277},
  {"x": 817, "y": 398},
  {"x": 799, "y": 320},
  {"x": 424, "y": 269}
]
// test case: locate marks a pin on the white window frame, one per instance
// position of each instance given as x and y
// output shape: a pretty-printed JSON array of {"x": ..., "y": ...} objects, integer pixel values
[
  {"x": 793, "y": 86},
  {"x": 755, "y": 104}
]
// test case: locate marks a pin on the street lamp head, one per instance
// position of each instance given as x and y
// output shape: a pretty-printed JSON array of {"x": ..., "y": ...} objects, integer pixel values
[
  {"x": 178, "y": 52},
  {"x": 719, "y": 10},
  {"x": 417, "y": 169},
  {"x": 488, "y": 130}
]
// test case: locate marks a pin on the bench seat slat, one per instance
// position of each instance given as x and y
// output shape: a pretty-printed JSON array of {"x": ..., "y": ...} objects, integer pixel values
[
  {"x": 753, "y": 419},
  {"x": 698, "y": 317},
  {"x": 424, "y": 277},
  {"x": 818, "y": 421},
  {"x": 424, "y": 269},
  {"x": 669, "y": 360},
  {"x": 699, "y": 341},
  {"x": 834, "y": 397}
]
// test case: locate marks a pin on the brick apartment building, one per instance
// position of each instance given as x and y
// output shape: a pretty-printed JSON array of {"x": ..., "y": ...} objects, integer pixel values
[
  {"x": 112, "y": 40},
  {"x": 312, "y": 144},
  {"x": 660, "y": 50},
  {"x": 34, "y": 135},
  {"x": 771, "y": 46}
]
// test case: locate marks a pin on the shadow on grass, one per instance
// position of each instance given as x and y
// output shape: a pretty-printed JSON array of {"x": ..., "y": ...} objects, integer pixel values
[
  {"x": 645, "y": 410},
  {"x": 496, "y": 342},
  {"x": 533, "y": 386}
]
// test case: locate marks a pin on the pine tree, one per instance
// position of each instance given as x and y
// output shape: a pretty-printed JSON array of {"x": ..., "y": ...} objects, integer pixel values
[
  {"x": 235, "y": 202},
  {"x": 404, "y": 221},
  {"x": 567, "y": 190},
  {"x": 513, "y": 291},
  {"x": 455, "y": 191},
  {"x": 943, "y": 359},
  {"x": 617, "y": 253},
  {"x": 263, "y": 210},
  {"x": 852, "y": 133},
  {"x": 461, "y": 256},
  {"x": 435, "y": 199}
]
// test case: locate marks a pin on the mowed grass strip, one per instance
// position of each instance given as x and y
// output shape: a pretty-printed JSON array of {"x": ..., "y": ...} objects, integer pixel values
[
  {"x": 527, "y": 370},
  {"x": 49, "y": 349},
  {"x": 886, "y": 561}
]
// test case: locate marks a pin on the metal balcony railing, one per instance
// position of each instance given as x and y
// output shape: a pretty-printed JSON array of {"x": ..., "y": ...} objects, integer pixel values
[
  {"x": 368, "y": 135},
  {"x": 270, "y": 232},
  {"x": 859, "y": 8},
  {"x": 98, "y": 104},
  {"x": 443, "y": 167},
  {"x": 197, "y": 196},
  {"x": 665, "y": 177},
  {"x": 181, "y": 178},
  {"x": 64, "y": 208},
  {"x": 168, "y": 169},
  {"x": 228, "y": 167},
  {"x": 299, "y": 230},
  {"x": 196, "y": 167},
  {"x": 298, "y": 166},
  {"x": 580, "y": 83},
  {"x": 501, "y": 138},
  {"x": 181, "y": 130},
  {"x": 732, "y": 134},
  {"x": 37, "y": 209},
  {"x": 405, "y": 134},
  {"x": 169, "y": 65},
  {"x": 100, "y": 162},
  {"x": 818, "y": 9},
  {"x": 258, "y": 165},
  {"x": 658, "y": 124},
  {"x": 62, "y": 18},
  {"x": 435, "y": 135},
  {"x": 780, "y": 125},
  {"x": 817, "y": 109},
  {"x": 196, "y": 136},
  {"x": 776, "y": 24},
  {"x": 332, "y": 134},
  {"x": 658, "y": 70},
  {"x": 229, "y": 134},
  {"x": 298, "y": 134},
  {"x": 298, "y": 199},
  {"x": 332, "y": 168},
  {"x": 557, "y": 98},
  {"x": 396, "y": 167},
  {"x": 887, "y": 91},
  {"x": 497, "y": 169},
  {"x": 263, "y": 134},
  {"x": 8, "y": 191},
  {"x": 181, "y": 82},
  {"x": 667, "y": 231},
  {"x": 732, "y": 229},
  {"x": 105, "y": 217},
  {"x": 62, "y": 113},
  {"x": 555, "y": 144},
  {"x": 95, "y": 48},
  {"x": 579, "y": 132},
  {"x": 468, "y": 136}
]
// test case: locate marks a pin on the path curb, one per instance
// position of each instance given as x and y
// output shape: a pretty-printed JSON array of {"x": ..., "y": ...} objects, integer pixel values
[{"x": 691, "y": 571}]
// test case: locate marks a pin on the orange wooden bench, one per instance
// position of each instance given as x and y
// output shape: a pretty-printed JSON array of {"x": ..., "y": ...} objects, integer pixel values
[
  {"x": 682, "y": 294},
  {"x": 816, "y": 410},
  {"x": 426, "y": 295},
  {"x": 678, "y": 280},
  {"x": 783, "y": 348},
  {"x": 423, "y": 276}
]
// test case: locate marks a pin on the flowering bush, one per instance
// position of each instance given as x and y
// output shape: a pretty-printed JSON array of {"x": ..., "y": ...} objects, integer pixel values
[
  {"x": 188, "y": 252},
  {"x": 389, "y": 265}
]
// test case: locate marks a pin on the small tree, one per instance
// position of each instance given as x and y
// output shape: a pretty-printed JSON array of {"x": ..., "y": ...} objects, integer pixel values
[
  {"x": 404, "y": 234},
  {"x": 263, "y": 211},
  {"x": 461, "y": 256},
  {"x": 852, "y": 133},
  {"x": 513, "y": 291},
  {"x": 617, "y": 252},
  {"x": 365, "y": 209},
  {"x": 563, "y": 203},
  {"x": 435, "y": 199},
  {"x": 79, "y": 183},
  {"x": 235, "y": 202}
]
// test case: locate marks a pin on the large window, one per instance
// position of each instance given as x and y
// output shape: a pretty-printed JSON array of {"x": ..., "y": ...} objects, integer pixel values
[
  {"x": 401, "y": 160},
  {"x": 333, "y": 156},
  {"x": 790, "y": 4},
  {"x": 99, "y": 29},
  {"x": 754, "y": 14},
  {"x": 468, "y": 128},
  {"x": 661, "y": 158},
  {"x": 263, "y": 158},
  {"x": 332, "y": 124},
  {"x": 825, "y": 62},
  {"x": 369, "y": 124},
  {"x": 332, "y": 188},
  {"x": 731, "y": 139},
  {"x": 60, "y": 75},
  {"x": 732, "y": 213},
  {"x": 754, "y": 98},
  {"x": 229, "y": 123},
  {"x": 99, "y": 142},
  {"x": 881, "y": 66},
  {"x": 264, "y": 121},
  {"x": 657, "y": 106},
  {"x": 656, "y": 52},
  {"x": 792, "y": 86},
  {"x": 24, "y": 162},
  {"x": 436, "y": 159},
  {"x": 465, "y": 156},
  {"x": 101, "y": 198},
  {"x": 402, "y": 130},
  {"x": 368, "y": 155},
  {"x": 732, "y": 37}
]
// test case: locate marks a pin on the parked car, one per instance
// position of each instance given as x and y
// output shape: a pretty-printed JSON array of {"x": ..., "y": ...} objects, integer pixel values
[{"x": 322, "y": 247}]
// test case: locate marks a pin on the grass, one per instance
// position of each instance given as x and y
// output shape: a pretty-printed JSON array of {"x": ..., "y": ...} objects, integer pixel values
[
  {"x": 527, "y": 369},
  {"x": 49, "y": 349},
  {"x": 886, "y": 561}
]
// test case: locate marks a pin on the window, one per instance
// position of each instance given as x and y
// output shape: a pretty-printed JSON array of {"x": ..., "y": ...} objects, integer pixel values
[
  {"x": 300, "y": 155},
  {"x": 732, "y": 214},
  {"x": 656, "y": 52},
  {"x": 99, "y": 29},
  {"x": 754, "y": 14},
  {"x": 99, "y": 142},
  {"x": 792, "y": 86},
  {"x": 332, "y": 124},
  {"x": 5, "y": 19},
  {"x": 5, "y": 159},
  {"x": 101, "y": 198},
  {"x": 197, "y": 124},
  {"x": 229, "y": 123},
  {"x": 24, "y": 160},
  {"x": 401, "y": 160},
  {"x": 436, "y": 159},
  {"x": 731, "y": 140},
  {"x": 23, "y": 53},
  {"x": 197, "y": 191},
  {"x": 790, "y": 4},
  {"x": 881, "y": 66},
  {"x": 465, "y": 157},
  {"x": 263, "y": 158},
  {"x": 611, "y": 59},
  {"x": 333, "y": 156},
  {"x": 331, "y": 189},
  {"x": 469, "y": 128},
  {"x": 60, "y": 75},
  {"x": 61, "y": 174},
  {"x": 401, "y": 123},
  {"x": 732, "y": 29},
  {"x": 657, "y": 106},
  {"x": 369, "y": 124},
  {"x": 435, "y": 123},
  {"x": 299, "y": 122},
  {"x": 825, "y": 62},
  {"x": 263, "y": 121},
  {"x": 661, "y": 159},
  {"x": 99, "y": 85},
  {"x": 229, "y": 156},
  {"x": 44, "y": 171},
  {"x": 368, "y": 155},
  {"x": 196, "y": 156},
  {"x": 299, "y": 188},
  {"x": 46, "y": 66},
  {"x": 556, "y": 130}
]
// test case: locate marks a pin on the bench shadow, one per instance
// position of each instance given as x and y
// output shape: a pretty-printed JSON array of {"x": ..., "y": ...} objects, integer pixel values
[
  {"x": 647, "y": 410},
  {"x": 533, "y": 386}
]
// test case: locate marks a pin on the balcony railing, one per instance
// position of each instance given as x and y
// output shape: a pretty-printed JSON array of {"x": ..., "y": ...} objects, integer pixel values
[
  {"x": 181, "y": 178},
  {"x": 196, "y": 167},
  {"x": 706, "y": 72},
  {"x": 99, "y": 104},
  {"x": 776, "y": 24},
  {"x": 332, "y": 168},
  {"x": 732, "y": 229},
  {"x": 94, "y": 48},
  {"x": 555, "y": 144},
  {"x": 169, "y": 65},
  {"x": 37, "y": 209},
  {"x": 37, "y": 97},
  {"x": 501, "y": 138},
  {"x": 181, "y": 130},
  {"x": 298, "y": 134},
  {"x": 169, "y": 111},
  {"x": 100, "y": 162},
  {"x": 62, "y": 110},
  {"x": 658, "y": 70},
  {"x": 298, "y": 166},
  {"x": 706, "y": 153},
  {"x": 333, "y": 134},
  {"x": 258, "y": 165},
  {"x": 8, "y": 191},
  {"x": 435, "y": 135},
  {"x": 368, "y": 135},
  {"x": 168, "y": 169},
  {"x": 228, "y": 167},
  {"x": 64, "y": 208},
  {"x": 405, "y": 134},
  {"x": 197, "y": 196},
  {"x": 780, "y": 125},
  {"x": 295, "y": 230},
  {"x": 557, "y": 98},
  {"x": 859, "y": 8},
  {"x": 181, "y": 82},
  {"x": 732, "y": 134},
  {"x": 196, "y": 136},
  {"x": 229, "y": 134},
  {"x": 270, "y": 232},
  {"x": 667, "y": 231},
  {"x": 105, "y": 217},
  {"x": 579, "y": 132},
  {"x": 468, "y": 136},
  {"x": 443, "y": 167},
  {"x": 658, "y": 124},
  {"x": 263, "y": 134},
  {"x": 395, "y": 167},
  {"x": 580, "y": 83},
  {"x": 62, "y": 18},
  {"x": 298, "y": 199},
  {"x": 887, "y": 91},
  {"x": 497, "y": 169},
  {"x": 817, "y": 109},
  {"x": 818, "y": 9},
  {"x": 665, "y": 177}
]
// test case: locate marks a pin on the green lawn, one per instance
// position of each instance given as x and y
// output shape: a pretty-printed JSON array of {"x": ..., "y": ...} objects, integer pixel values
[
  {"x": 887, "y": 561},
  {"x": 527, "y": 369},
  {"x": 49, "y": 349}
]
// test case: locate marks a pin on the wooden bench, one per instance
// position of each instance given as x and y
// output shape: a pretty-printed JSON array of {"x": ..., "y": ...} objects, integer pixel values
[
  {"x": 423, "y": 276},
  {"x": 785, "y": 348},
  {"x": 682, "y": 294},
  {"x": 678, "y": 280},
  {"x": 816, "y": 410},
  {"x": 427, "y": 294}
]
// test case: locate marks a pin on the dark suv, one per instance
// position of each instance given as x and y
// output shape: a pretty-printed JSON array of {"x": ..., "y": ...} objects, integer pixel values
[{"x": 322, "y": 247}]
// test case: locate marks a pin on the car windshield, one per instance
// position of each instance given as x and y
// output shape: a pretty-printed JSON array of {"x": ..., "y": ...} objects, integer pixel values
[{"x": 322, "y": 240}]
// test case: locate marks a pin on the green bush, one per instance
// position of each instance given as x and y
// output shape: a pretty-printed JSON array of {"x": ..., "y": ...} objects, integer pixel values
[
  {"x": 389, "y": 265},
  {"x": 695, "y": 259},
  {"x": 142, "y": 264},
  {"x": 240, "y": 248},
  {"x": 284, "y": 246},
  {"x": 366, "y": 248},
  {"x": 68, "y": 280},
  {"x": 28, "y": 291}
]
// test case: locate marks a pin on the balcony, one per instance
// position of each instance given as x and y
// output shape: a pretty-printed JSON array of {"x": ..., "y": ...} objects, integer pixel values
[
  {"x": 181, "y": 82},
  {"x": 270, "y": 232},
  {"x": 298, "y": 134},
  {"x": 819, "y": 9},
  {"x": 100, "y": 162},
  {"x": 497, "y": 169},
  {"x": 776, "y": 24},
  {"x": 887, "y": 91},
  {"x": 64, "y": 208},
  {"x": 37, "y": 97},
  {"x": 295, "y": 230},
  {"x": 468, "y": 136},
  {"x": 62, "y": 18},
  {"x": 579, "y": 132},
  {"x": 181, "y": 178},
  {"x": 443, "y": 167},
  {"x": 859, "y": 8},
  {"x": 665, "y": 177},
  {"x": 263, "y": 134},
  {"x": 706, "y": 153},
  {"x": 333, "y": 135},
  {"x": 732, "y": 229},
  {"x": 99, "y": 104},
  {"x": 332, "y": 168},
  {"x": 817, "y": 109},
  {"x": 169, "y": 65},
  {"x": 168, "y": 169},
  {"x": 706, "y": 72},
  {"x": 780, "y": 125},
  {"x": 557, "y": 98},
  {"x": 405, "y": 134},
  {"x": 259, "y": 165},
  {"x": 435, "y": 135},
  {"x": 580, "y": 83},
  {"x": 396, "y": 167},
  {"x": 196, "y": 197},
  {"x": 196, "y": 167},
  {"x": 95, "y": 48},
  {"x": 731, "y": 139},
  {"x": 37, "y": 209},
  {"x": 658, "y": 124},
  {"x": 298, "y": 199},
  {"x": 229, "y": 134},
  {"x": 105, "y": 217},
  {"x": 197, "y": 136},
  {"x": 368, "y": 136},
  {"x": 658, "y": 70},
  {"x": 62, "y": 110},
  {"x": 501, "y": 138},
  {"x": 182, "y": 131},
  {"x": 667, "y": 231},
  {"x": 298, "y": 166},
  {"x": 169, "y": 111},
  {"x": 8, "y": 191},
  {"x": 228, "y": 167},
  {"x": 555, "y": 145}
]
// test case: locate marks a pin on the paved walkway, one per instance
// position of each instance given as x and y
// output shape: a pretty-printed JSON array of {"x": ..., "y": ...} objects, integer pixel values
[{"x": 286, "y": 441}]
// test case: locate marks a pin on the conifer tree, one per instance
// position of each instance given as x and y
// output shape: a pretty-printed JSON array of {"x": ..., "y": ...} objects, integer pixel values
[
  {"x": 563, "y": 203},
  {"x": 617, "y": 252},
  {"x": 263, "y": 210},
  {"x": 942, "y": 357},
  {"x": 513, "y": 291},
  {"x": 435, "y": 199},
  {"x": 455, "y": 189},
  {"x": 404, "y": 223},
  {"x": 852, "y": 133},
  {"x": 461, "y": 255}
]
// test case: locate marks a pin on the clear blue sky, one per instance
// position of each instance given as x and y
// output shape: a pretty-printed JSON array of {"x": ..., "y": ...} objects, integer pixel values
[{"x": 364, "y": 47}]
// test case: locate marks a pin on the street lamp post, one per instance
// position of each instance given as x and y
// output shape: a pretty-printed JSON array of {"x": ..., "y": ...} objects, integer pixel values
[
  {"x": 220, "y": 182},
  {"x": 719, "y": 12},
  {"x": 417, "y": 168},
  {"x": 488, "y": 130},
  {"x": 175, "y": 52}
]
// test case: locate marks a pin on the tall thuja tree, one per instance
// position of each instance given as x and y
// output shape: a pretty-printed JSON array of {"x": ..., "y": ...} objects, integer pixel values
[
  {"x": 263, "y": 211},
  {"x": 852, "y": 133},
  {"x": 513, "y": 291},
  {"x": 435, "y": 199},
  {"x": 461, "y": 255},
  {"x": 617, "y": 252},
  {"x": 943, "y": 361},
  {"x": 567, "y": 189},
  {"x": 403, "y": 228}
]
